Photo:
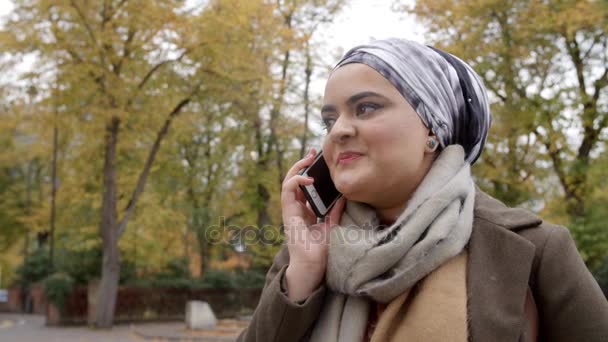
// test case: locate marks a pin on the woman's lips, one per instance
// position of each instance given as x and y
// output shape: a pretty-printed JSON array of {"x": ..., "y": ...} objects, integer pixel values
[{"x": 348, "y": 157}]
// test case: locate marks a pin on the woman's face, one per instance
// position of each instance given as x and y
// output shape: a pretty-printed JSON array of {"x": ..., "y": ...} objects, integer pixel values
[{"x": 375, "y": 145}]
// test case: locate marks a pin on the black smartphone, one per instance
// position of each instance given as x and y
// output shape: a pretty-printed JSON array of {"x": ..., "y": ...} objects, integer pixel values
[{"x": 322, "y": 194}]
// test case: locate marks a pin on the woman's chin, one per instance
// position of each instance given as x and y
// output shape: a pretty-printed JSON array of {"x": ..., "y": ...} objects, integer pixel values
[{"x": 351, "y": 190}]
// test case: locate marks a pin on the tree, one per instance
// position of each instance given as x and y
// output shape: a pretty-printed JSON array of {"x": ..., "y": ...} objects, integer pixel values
[
  {"x": 545, "y": 65},
  {"x": 114, "y": 76},
  {"x": 279, "y": 120},
  {"x": 22, "y": 176},
  {"x": 111, "y": 60}
]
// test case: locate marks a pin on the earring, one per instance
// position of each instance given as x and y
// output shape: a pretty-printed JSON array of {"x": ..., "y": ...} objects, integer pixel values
[{"x": 431, "y": 143}]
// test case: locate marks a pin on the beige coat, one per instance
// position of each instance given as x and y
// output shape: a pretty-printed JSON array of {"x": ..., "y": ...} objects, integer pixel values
[{"x": 509, "y": 250}]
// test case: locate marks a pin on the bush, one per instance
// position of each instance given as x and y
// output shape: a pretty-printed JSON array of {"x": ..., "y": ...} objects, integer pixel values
[
  {"x": 211, "y": 279},
  {"x": 35, "y": 268},
  {"x": 601, "y": 275},
  {"x": 57, "y": 287},
  {"x": 82, "y": 265},
  {"x": 128, "y": 271},
  {"x": 178, "y": 283},
  {"x": 175, "y": 268},
  {"x": 178, "y": 268},
  {"x": 251, "y": 278},
  {"x": 239, "y": 278},
  {"x": 218, "y": 279}
]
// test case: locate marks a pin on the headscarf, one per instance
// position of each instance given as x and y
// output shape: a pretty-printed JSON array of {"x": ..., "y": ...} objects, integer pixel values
[{"x": 447, "y": 94}]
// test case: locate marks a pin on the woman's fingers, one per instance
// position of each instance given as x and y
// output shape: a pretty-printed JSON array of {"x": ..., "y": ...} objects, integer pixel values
[
  {"x": 300, "y": 164},
  {"x": 291, "y": 186}
]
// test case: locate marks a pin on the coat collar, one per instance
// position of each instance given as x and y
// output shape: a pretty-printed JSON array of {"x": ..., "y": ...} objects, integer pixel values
[
  {"x": 498, "y": 270},
  {"x": 491, "y": 209}
]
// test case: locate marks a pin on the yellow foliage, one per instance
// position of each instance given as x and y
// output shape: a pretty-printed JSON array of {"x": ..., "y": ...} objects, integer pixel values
[{"x": 136, "y": 61}]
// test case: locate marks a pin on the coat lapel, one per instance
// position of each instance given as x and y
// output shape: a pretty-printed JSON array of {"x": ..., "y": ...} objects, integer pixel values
[{"x": 498, "y": 270}]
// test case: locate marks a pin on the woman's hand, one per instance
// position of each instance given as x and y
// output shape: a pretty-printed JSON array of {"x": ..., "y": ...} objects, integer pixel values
[{"x": 307, "y": 241}]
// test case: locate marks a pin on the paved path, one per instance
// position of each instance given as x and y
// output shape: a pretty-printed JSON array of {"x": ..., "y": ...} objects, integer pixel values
[{"x": 31, "y": 328}]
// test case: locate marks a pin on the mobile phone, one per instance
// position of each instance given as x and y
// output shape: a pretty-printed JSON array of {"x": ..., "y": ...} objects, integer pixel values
[{"x": 322, "y": 194}]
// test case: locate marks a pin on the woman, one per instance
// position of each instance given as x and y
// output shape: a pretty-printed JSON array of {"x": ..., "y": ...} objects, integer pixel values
[{"x": 420, "y": 253}]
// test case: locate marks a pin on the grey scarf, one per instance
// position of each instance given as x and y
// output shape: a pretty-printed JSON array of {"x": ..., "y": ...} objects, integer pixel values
[{"x": 366, "y": 262}]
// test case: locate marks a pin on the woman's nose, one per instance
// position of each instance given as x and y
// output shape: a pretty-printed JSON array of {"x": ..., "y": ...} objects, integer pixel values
[{"x": 342, "y": 129}]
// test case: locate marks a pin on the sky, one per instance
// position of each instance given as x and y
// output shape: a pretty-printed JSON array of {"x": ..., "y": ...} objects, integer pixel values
[
  {"x": 5, "y": 7},
  {"x": 365, "y": 19},
  {"x": 358, "y": 23}
]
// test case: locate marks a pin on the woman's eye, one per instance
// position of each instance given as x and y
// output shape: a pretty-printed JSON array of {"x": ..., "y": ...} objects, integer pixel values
[
  {"x": 327, "y": 123},
  {"x": 366, "y": 108}
]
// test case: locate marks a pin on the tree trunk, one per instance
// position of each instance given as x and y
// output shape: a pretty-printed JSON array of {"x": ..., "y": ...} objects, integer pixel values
[
  {"x": 110, "y": 273},
  {"x": 53, "y": 197},
  {"x": 308, "y": 73},
  {"x": 108, "y": 287},
  {"x": 261, "y": 201},
  {"x": 575, "y": 207},
  {"x": 203, "y": 252},
  {"x": 28, "y": 208},
  {"x": 263, "y": 215},
  {"x": 111, "y": 228}
]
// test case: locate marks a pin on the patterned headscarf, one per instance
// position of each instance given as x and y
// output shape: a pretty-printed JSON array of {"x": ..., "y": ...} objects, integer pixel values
[{"x": 447, "y": 94}]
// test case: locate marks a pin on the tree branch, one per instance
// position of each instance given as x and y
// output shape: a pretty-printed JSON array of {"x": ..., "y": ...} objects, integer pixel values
[
  {"x": 599, "y": 84},
  {"x": 490, "y": 85},
  {"x": 141, "y": 182},
  {"x": 555, "y": 158},
  {"x": 151, "y": 72},
  {"x": 595, "y": 41},
  {"x": 125, "y": 51},
  {"x": 574, "y": 52},
  {"x": 86, "y": 26},
  {"x": 526, "y": 150},
  {"x": 155, "y": 68}
]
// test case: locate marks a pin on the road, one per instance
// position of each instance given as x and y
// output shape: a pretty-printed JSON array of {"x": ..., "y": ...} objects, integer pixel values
[{"x": 31, "y": 328}]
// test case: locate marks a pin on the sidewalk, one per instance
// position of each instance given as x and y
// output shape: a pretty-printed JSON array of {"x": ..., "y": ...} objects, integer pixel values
[
  {"x": 227, "y": 330},
  {"x": 31, "y": 328}
]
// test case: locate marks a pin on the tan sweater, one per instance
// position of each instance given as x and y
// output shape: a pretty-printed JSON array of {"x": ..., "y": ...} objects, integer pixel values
[{"x": 433, "y": 310}]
